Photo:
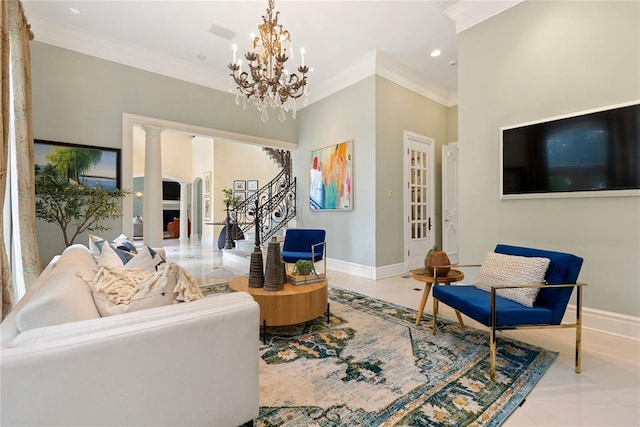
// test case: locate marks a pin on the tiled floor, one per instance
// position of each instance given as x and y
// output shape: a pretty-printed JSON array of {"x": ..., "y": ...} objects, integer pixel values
[{"x": 606, "y": 393}]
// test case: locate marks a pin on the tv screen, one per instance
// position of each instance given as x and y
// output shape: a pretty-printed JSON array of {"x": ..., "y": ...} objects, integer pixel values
[
  {"x": 596, "y": 153},
  {"x": 170, "y": 190}
]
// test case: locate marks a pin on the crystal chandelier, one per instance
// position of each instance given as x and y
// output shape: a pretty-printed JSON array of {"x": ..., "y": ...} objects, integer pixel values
[{"x": 268, "y": 83}]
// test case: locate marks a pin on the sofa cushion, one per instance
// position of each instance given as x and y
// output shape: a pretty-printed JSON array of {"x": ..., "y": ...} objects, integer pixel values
[
  {"x": 502, "y": 270},
  {"x": 51, "y": 334},
  {"x": 64, "y": 296}
]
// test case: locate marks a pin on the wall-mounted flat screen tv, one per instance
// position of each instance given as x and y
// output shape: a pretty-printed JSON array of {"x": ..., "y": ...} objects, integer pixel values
[
  {"x": 170, "y": 190},
  {"x": 595, "y": 153}
]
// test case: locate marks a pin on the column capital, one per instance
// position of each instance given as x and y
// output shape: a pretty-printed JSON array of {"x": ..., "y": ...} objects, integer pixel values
[{"x": 152, "y": 129}]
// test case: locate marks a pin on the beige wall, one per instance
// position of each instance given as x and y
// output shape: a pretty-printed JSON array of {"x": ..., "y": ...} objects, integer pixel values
[
  {"x": 399, "y": 109},
  {"x": 534, "y": 61},
  {"x": 202, "y": 161},
  {"x": 176, "y": 154},
  {"x": 346, "y": 115},
  {"x": 373, "y": 113},
  {"x": 235, "y": 161}
]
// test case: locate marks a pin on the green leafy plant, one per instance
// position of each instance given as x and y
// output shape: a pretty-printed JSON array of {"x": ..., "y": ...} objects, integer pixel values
[
  {"x": 229, "y": 200},
  {"x": 304, "y": 267},
  {"x": 74, "y": 207}
]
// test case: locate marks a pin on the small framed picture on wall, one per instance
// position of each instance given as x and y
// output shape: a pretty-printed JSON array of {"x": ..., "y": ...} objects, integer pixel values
[
  {"x": 252, "y": 185},
  {"x": 239, "y": 185},
  {"x": 207, "y": 208},
  {"x": 240, "y": 197},
  {"x": 206, "y": 183}
]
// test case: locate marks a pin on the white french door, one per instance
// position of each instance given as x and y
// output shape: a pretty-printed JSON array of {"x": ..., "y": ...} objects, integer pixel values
[
  {"x": 419, "y": 203},
  {"x": 450, "y": 201}
]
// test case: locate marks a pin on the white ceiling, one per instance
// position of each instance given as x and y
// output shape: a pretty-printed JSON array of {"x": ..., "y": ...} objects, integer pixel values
[{"x": 345, "y": 41}]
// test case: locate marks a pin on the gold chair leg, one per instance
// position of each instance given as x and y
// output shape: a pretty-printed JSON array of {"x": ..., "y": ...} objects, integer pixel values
[
  {"x": 492, "y": 349},
  {"x": 435, "y": 315},
  {"x": 578, "y": 367},
  {"x": 492, "y": 336}
]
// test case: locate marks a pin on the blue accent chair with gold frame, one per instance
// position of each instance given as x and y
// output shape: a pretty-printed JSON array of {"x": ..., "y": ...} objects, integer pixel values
[
  {"x": 499, "y": 313},
  {"x": 307, "y": 244}
]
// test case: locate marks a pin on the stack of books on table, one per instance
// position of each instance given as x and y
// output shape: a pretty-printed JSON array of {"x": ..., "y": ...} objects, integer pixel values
[{"x": 304, "y": 280}]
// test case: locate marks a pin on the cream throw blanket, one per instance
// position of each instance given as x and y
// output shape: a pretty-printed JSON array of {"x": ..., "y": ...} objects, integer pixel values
[{"x": 122, "y": 285}]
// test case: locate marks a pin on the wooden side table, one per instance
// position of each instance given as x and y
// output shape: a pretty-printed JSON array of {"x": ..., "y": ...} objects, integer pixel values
[
  {"x": 423, "y": 276},
  {"x": 290, "y": 305}
]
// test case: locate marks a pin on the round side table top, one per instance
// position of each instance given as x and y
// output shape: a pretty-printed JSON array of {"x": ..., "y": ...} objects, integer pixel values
[
  {"x": 290, "y": 305},
  {"x": 424, "y": 276}
]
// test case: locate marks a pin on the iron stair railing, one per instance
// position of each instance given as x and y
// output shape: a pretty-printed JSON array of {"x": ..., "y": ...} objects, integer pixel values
[{"x": 271, "y": 207}]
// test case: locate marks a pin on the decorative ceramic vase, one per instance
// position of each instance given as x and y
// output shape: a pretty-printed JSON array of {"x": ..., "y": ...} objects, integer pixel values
[
  {"x": 435, "y": 258},
  {"x": 256, "y": 269},
  {"x": 273, "y": 278}
]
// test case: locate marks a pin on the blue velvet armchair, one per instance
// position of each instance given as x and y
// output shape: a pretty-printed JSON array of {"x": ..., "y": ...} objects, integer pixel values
[
  {"x": 499, "y": 313},
  {"x": 307, "y": 244}
]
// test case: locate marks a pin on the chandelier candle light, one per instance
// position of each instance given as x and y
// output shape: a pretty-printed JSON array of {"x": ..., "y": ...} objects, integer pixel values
[{"x": 268, "y": 83}]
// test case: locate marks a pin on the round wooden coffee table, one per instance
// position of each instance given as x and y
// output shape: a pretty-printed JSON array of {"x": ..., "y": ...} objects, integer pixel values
[
  {"x": 289, "y": 306},
  {"x": 423, "y": 276}
]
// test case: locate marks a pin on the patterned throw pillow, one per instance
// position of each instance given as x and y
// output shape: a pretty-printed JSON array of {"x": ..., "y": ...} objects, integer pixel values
[
  {"x": 122, "y": 242},
  {"x": 145, "y": 260},
  {"x": 500, "y": 269}
]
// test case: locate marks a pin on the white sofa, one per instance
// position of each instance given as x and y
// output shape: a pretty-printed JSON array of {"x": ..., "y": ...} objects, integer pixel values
[{"x": 186, "y": 364}]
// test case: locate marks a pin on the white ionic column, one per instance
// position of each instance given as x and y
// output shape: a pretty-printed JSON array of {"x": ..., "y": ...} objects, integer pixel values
[
  {"x": 184, "y": 218},
  {"x": 152, "y": 204}
]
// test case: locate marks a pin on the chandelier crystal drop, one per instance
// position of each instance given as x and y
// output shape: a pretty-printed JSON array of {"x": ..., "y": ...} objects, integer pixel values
[{"x": 268, "y": 83}]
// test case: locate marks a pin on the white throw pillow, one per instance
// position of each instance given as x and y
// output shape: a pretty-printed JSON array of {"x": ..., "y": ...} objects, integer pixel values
[
  {"x": 500, "y": 269},
  {"x": 64, "y": 297}
]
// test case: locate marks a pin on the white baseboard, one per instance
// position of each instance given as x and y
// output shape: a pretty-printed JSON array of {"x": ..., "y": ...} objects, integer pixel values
[
  {"x": 368, "y": 272},
  {"x": 351, "y": 268},
  {"x": 608, "y": 322}
]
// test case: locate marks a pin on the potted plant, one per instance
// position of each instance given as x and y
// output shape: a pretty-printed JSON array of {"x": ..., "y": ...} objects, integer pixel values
[
  {"x": 73, "y": 206},
  {"x": 229, "y": 200},
  {"x": 304, "y": 267}
]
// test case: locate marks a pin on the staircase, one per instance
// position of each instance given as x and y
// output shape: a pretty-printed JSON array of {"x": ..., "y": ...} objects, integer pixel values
[{"x": 266, "y": 212}]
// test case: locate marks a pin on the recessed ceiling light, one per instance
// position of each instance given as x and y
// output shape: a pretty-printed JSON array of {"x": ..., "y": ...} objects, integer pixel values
[
  {"x": 202, "y": 57},
  {"x": 436, "y": 53},
  {"x": 74, "y": 10}
]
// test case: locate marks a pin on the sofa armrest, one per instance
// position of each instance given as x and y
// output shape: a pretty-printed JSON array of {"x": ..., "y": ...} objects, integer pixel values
[{"x": 186, "y": 364}]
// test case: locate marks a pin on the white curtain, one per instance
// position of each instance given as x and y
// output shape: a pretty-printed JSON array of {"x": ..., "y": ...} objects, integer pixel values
[{"x": 19, "y": 258}]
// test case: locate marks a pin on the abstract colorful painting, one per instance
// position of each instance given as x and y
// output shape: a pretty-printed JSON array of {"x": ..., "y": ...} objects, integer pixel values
[{"x": 331, "y": 177}]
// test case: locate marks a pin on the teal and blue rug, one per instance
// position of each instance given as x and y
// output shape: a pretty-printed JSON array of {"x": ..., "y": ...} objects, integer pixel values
[{"x": 372, "y": 366}]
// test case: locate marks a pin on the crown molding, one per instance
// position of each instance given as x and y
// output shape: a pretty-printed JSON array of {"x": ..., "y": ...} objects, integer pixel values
[
  {"x": 467, "y": 13},
  {"x": 408, "y": 79},
  {"x": 112, "y": 50},
  {"x": 359, "y": 70},
  {"x": 376, "y": 62},
  {"x": 115, "y": 51}
]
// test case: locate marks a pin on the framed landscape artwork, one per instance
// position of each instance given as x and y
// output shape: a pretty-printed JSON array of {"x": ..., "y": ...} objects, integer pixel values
[
  {"x": 239, "y": 185},
  {"x": 331, "y": 177},
  {"x": 84, "y": 164}
]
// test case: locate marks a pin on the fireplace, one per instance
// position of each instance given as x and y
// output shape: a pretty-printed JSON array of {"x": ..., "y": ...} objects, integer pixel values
[{"x": 167, "y": 217}]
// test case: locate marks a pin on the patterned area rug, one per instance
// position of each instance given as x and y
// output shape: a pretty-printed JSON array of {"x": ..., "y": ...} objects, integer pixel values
[{"x": 372, "y": 366}]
